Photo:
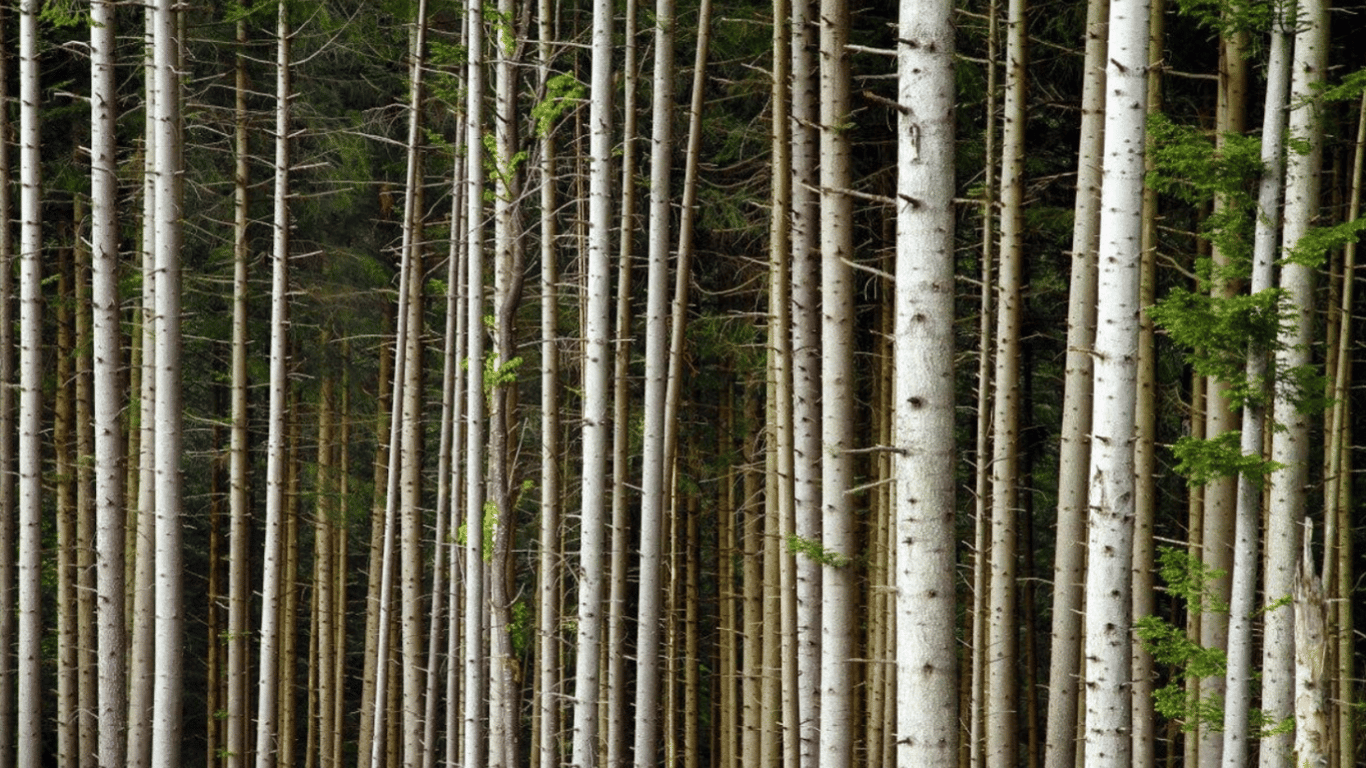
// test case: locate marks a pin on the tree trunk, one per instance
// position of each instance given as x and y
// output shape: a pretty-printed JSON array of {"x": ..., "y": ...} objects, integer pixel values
[
  {"x": 621, "y": 407},
  {"x": 9, "y": 543},
  {"x": 1311, "y": 656},
  {"x": 1002, "y": 716},
  {"x": 170, "y": 619},
  {"x": 806, "y": 374},
  {"x": 548, "y": 561},
  {"x": 656, "y": 474},
  {"x": 474, "y": 392},
  {"x": 1110, "y": 542},
  {"x": 923, "y": 406},
  {"x": 838, "y": 543},
  {"x": 276, "y": 450},
  {"x": 595, "y": 374},
  {"x": 108, "y": 361},
  {"x": 31, "y": 690},
  {"x": 1290, "y": 441},
  {"x": 1069, "y": 565},
  {"x": 1243, "y": 592}
]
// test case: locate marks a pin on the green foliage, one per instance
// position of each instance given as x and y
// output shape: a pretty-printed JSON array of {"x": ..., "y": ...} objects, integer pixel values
[
  {"x": 1351, "y": 87},
  {"x": 490, "y": 522},
  {"x": 519, "y": 628},
  {"x": 1188, "y": 167},
  {"x": 719, "y": 337},
  {"x": 1229, "y": 17},
  {"x": 1200, "y": 461},
  {"x": 1216, "y": 333},
  {"x": 1318, "y": 241},
  {"x": 1187, "y": 579},
  {"x": 62, "y": 14},
  {"x": 501, "y": 169},
  {"x": 562, "y": 93},
  {"x": 816, "y": 551},
  {"x": 502, "y": 26},
  {"x": 499, "y": 374}
]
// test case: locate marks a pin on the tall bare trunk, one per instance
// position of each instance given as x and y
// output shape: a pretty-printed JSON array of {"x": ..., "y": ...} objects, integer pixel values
[
  {"x": 923, "y": 391},
  {"x": 31, "y": 691},
  {"x": 276, "y": 449},
  {"x": 1110, "y": 541},
  {"x": 108, "y": 360}
]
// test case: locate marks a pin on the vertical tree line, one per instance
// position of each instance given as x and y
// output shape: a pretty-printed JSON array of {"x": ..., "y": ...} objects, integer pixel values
[{"x": 371, "y": 396}]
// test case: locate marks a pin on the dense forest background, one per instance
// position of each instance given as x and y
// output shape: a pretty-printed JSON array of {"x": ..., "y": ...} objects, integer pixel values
[{"x": 331, "y": 435}]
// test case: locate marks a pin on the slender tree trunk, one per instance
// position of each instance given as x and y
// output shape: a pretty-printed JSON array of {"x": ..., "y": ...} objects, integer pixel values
[
  {"x": 656, "y": 474},
  {"x": 108, "y": 359},
  {"x": 780, "y": 346},
  {"x": 1069, "y": 566},
  {"x": 982, "y": 471},
  {"x": 503, "y": 702},
  {"x": 548, "y": 562},
  {"x": 1341, "y": 475},
  {"x": 65, "y": 508},
  {"x": 1243, "y": 593},
  {"x": 240, "y": 528},
  {"x": 142, "y": 642},
  {"x": 455, "y": 306},
  {"x": 276, "y": 448},
  {"x": 838, "y": 540},
  {"x": 324, "y": 568},
  {"x": 595, "y": 429},
  {"x": 806, "y": 373},
  {"x": 923, "y": 405},
  {"x": 474, "y": 392},
  {"x": 170, "y": 619},
  {"x": 1110, "y": 541},
  {"x": 1290, "y": 441},
  {"x": 409, "y": 458},
  {"x": 1145, "y": 436},
  {"x": 83, "y": 552},
  {"x": 371, "y": 695},
  {"x": 621, "y": 407},
  {"x": 1312, "y": 740},
  {"x": 29, "y": 605},
  {"x": 9, "y": 543},
  {"x": 1002, "y": 717}
]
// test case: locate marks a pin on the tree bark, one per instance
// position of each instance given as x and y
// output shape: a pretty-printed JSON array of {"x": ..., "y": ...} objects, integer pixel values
[
  {"x": 108, "y": 359},
  {"x": 923, "y": 405},
  {"x": 29, "y": 605},
  {"x": 1110, "y": 541}
]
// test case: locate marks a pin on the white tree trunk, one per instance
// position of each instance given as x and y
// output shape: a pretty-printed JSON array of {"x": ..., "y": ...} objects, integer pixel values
[
  {"x": 923, "y": 397},
  {"x": 170, "y": 619},
  {"x": 474, "y": 391},
  {"x": 597, "y": 365},
  {"x": 1002, "y": 650},
  {"x": 656, "y": 476},
  {"x": 837, "y": 394},
  {"x": 1290, "y": 441},
  {"x": 1111, "y": 497},
  {"x": 621, "y": 407},
  {"x": 239, "y": 532},
  {"x": 108, "y": 359},
  {"x": 806, "y": 373},
  {"x": 1069, "y": 565},
  {"x": 142, "y": 641},
  {"x": 9, "y": 545},
  {"x": 276, "y": 447},
  {"x": 1247, "y": 525},
  {"x": 548, "y": 559},
  {"x": 31, "y": 690}
]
